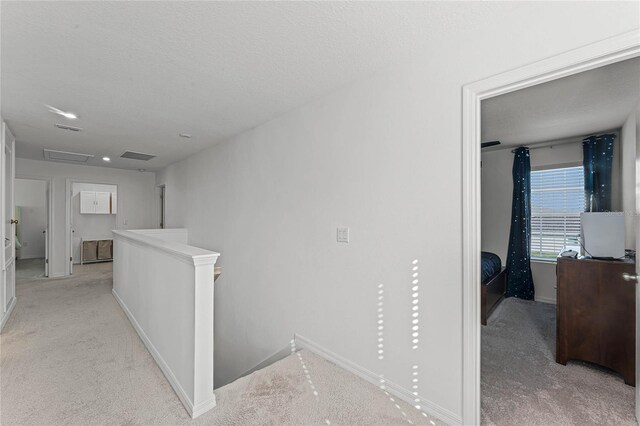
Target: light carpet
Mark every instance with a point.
(69, 356)
(523, 385)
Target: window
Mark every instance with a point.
(557, 199)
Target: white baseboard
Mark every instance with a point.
(428, 407)
(545, 300)
(194, 411)
(7, 314)
(58, 275)
(203, 407)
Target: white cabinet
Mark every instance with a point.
(103, 203)
(114, 203)
(95, 202)
(87, 202)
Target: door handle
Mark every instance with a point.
(14, 221)
(628, 277)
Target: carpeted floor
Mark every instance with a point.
(523, 385)
(69, 356)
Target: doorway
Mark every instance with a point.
(92, 209)
(536, 339)
(610, 51)
(32, 229)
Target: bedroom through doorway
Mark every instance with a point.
(558, 202)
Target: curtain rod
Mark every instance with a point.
(551, 144)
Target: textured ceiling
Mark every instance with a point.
(578, 105)
(140, 73)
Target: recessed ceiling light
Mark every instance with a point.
(66, 114)
(185, 135)
(142, 170)
(106, 159)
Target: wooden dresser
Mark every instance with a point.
(596, 312)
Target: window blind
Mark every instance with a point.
(557, 199)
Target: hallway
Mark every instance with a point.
(70, 356)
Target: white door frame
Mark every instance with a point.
(49, 236)
(605, 52)
(68, 216)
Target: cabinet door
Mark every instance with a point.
(114, 203)
(87, 202)
(103, 200)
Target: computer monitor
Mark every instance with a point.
(603, 234)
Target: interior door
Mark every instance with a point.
(71, 230)
(637, 229)
(46, 231)
(162, 195)
(9, 223)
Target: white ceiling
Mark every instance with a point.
(578, 105)
(139, 73)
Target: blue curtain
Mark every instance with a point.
(597, 160)
(519, 278)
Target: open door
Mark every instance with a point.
(46, 251)
(637, 229)
(161, 190)
(8, 293)
(47, 203)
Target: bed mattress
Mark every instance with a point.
(491, 265)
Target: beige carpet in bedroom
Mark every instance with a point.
(68, 356)
(523, 385)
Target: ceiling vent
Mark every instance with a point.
(72, 157)
(137, 156)
(66, 127)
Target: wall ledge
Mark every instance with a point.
(194, 255)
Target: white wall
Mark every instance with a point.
(497, 188)
(382, 156)
(135, 198)
(628, 176)
(30, 196)
(89, 226)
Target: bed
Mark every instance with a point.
(493, 284)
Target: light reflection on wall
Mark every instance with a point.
(306, 373)
(415, 305)
(380, 322)
(414, 340)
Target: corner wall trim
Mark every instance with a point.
(182, 395)
(8, 314)
(373, 378)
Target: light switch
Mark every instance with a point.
(343, 235)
